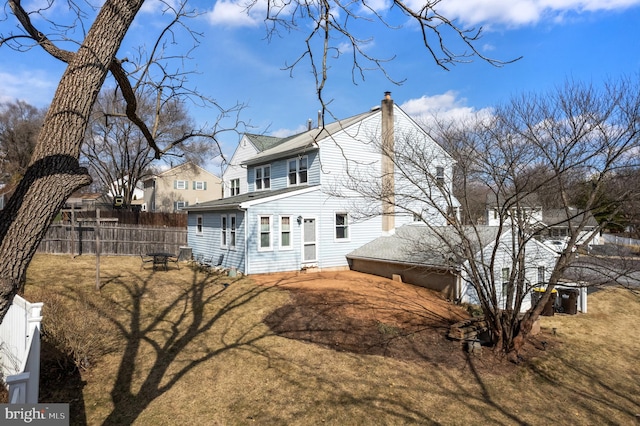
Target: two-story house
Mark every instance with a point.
(290, 217)
(179, 187)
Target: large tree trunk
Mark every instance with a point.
(54, 172)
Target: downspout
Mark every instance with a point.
(246, 241)
(387, 166)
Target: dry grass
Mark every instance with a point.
(183, 348)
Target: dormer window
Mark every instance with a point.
(298, 171)
(263, 177)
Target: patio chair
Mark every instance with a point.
(196, 261)
(145, 259)
(174, 259)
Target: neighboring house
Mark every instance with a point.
(290, 217)
(88, 201)
(179, 187)
(552, 226)
(117, 188)
(501, 210)
(419, 255)
(557, 225)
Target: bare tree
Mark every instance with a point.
(19, 127)
(117, 152)
(54, 172)
(574, 133)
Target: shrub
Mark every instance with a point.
(75, 329)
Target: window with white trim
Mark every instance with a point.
(234, 187)
(342, 226)
(232, 231)
(440, 175)
(263, 177)
(285, 232)
(199, 225)
(264, 242)
(179, 205)
(199, 185)
(542, 272)
(223, 230)
(298, 171)
(506, 272)
(180, 184)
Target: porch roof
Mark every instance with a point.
(243, 201)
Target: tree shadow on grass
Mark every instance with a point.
(168, 330)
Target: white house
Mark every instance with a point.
(290, 217)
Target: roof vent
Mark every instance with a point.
(375, 108)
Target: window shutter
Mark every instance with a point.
(194, 184)
(175, 184)
(205, 185)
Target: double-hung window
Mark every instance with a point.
(263, 177)
(440, 175)
(342, 226)
(223, 231)
(506, 272)
(235, 187)
(298, 168)
(199, 224)
(180, 184)
(542, 275)
(265, 233)
(232, 231)
(285, 232)
(199, 185)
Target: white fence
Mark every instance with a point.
(621, 241)
(20, 351)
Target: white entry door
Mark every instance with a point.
(309, 244)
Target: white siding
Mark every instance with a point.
(234, 170)
(277, 259)
(208, 243)
(536, 255)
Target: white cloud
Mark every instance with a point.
(283, 133)
(446, 106)
(34, 87)
(521, 12)
(235, 13)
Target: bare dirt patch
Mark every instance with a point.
(365, 314)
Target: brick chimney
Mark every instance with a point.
(387, 167)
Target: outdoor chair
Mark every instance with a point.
(196, 260)
(145, 259)
(175, 259)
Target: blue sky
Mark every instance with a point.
(585, 40)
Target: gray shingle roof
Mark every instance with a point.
(264, 142)
(234, 203)
(421, 245)
(306, 141)
(562, 218)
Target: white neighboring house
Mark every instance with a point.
(138, 192)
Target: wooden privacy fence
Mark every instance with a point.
(114, 239)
